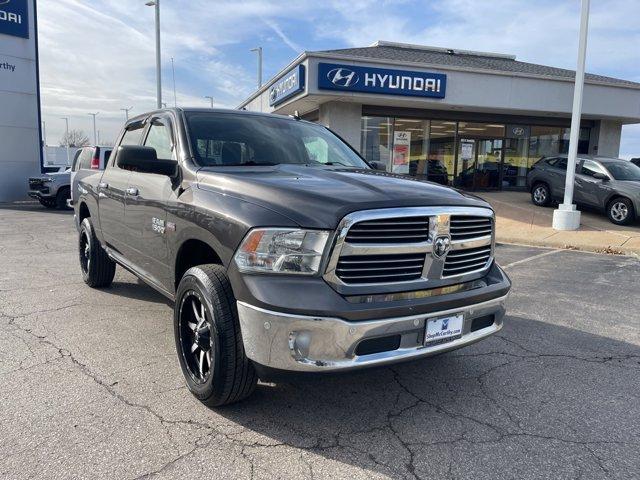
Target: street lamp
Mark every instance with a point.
(126, 112)
(156, 4)
(210, 99)
(66, 135)
(567, 216)
(259, 52)
(95, 136)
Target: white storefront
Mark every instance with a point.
(20, 144)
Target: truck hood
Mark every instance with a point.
(319, 197)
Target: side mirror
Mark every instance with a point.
(144, 159)
(601, 176)
(378, 166)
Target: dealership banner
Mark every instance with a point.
(386, 81)
(287, 86)
(401, 151)
(14, 18)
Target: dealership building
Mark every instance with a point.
(469, 119)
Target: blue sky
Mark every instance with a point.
(98, 55)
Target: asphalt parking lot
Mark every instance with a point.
(90, 386)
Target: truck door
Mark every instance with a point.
(111, 196)
(148, 197)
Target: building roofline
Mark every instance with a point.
(355, 59)
(411, 46)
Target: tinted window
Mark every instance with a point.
(107, 155)
(85, 158)
(132, 135)
(227, 139)
(590, 168)
(624, 171)
(159, 137)
(561, 163)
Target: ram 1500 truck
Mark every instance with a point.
(283, 250)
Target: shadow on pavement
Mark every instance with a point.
(536, 393)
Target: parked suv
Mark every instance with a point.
(86, 161)
(609, 184)
(284, 251)
(51, 189)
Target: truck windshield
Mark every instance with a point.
(624, 171)
(224, 139)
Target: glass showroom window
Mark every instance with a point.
(376, 139)
(442, 147)
(410, 145)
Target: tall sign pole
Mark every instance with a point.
(567, 216)
(156, 5)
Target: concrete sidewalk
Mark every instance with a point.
(519, 221)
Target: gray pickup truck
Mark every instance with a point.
(283, 250)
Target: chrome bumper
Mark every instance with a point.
(303, 343)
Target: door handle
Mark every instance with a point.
(103, 185)
(132, 191)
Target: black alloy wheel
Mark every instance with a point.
(195, 337)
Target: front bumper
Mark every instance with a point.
(314, 343)
(38, 194)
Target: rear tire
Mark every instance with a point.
(48, 202)
(208, 339)
(541, 195)
(97, 268)
(61, 198)
(620, 211)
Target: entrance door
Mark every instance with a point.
(479, 163)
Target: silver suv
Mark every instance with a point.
(608, 184)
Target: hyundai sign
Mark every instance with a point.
(352, 78)
(286, 86)
(14, 18)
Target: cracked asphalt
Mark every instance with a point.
(90, 386)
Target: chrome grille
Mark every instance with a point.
(359, 269)
(390, 230)
(460, 262)
(463, 227)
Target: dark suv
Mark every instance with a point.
(283, 250)
(609, 184)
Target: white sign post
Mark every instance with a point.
(567, 217)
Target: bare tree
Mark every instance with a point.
(75, 138)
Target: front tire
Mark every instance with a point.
(620, 211)
(97, 268)
(63, 195)
(208, 339)
(541, 195)
(48, 202)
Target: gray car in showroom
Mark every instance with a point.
(608, 184)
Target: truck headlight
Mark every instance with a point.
(282, 250)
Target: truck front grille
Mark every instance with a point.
(359, 269)
(390, 230)
(385, 250)
(465, 227)
(460, 262)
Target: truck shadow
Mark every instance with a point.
(534, 389)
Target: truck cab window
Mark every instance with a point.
(159, 137)
(132, 135)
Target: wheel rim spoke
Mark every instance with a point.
(195, 310)
(201, 362)
(192, 326)
(194, 347)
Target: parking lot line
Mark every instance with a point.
(528, 259)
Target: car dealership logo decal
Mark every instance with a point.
(441, 246)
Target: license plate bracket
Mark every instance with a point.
(443, 329)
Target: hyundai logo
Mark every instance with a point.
(518, 131)
(441, 246)
(342, 77)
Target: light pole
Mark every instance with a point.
(210, 99)
(95, 136)
(156, 4)
(567, 217)
(173, 74)
(126, 112)
(66, 135)
(259, 52)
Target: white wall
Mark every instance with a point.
(19, 117)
